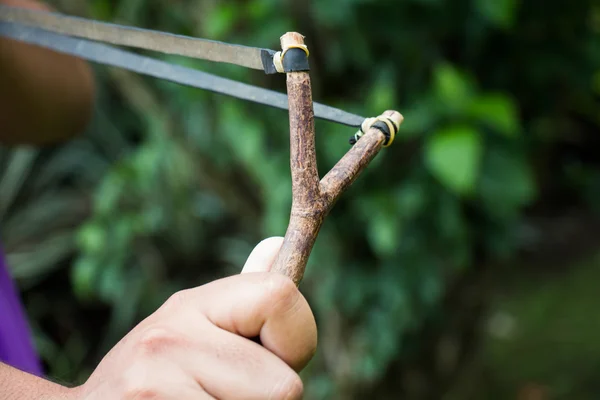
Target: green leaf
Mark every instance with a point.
(453, 88)
(453, 156)
(501, 13)
(507, 182)
(92, 238)
(220, 21)
(382, 95)
(420, 118)
(382, 233)
(102, 10)
(497, 111)
(83, 276)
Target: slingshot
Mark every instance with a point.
(312, 198)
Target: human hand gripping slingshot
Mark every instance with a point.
(312, 198)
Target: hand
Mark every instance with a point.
(198, 346)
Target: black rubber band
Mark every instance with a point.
(295, 60)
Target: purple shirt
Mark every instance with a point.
(16, 347)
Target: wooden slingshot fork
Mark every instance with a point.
(313, 198)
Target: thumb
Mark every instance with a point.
(263, 256)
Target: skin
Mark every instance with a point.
(200, 344)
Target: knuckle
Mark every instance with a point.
(291, 388)
(154, 340)
(176, 300)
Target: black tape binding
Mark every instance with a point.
(295, 60)
(383, 128)
(266, 57)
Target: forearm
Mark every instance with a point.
(45, 96)
(18, 385)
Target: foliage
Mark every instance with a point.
(171, 187)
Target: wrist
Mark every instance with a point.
(16, 384)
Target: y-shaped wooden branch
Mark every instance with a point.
(312, 199)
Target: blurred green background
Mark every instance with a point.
(463, 264)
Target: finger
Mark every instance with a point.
(231, 367)
(261, 304)
(263, 256)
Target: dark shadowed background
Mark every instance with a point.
(463, 264)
